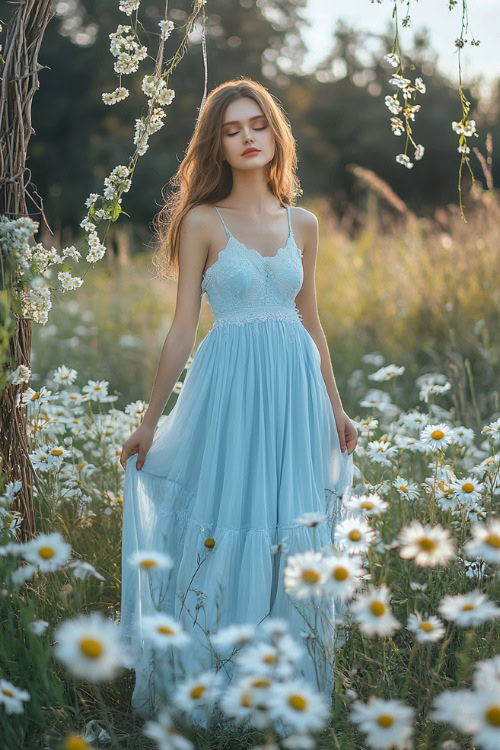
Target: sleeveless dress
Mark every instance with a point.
(250, 446)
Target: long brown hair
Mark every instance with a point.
(203, 177)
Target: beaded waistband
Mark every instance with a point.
(242, 315)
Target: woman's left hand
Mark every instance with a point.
(348, 435)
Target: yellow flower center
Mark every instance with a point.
(355, 535)
(56, 451)
(367, 505)
(492, 715)
(119, 499)
(91, 648)
(468, 487)
(210, 542)
(8, 693)
(75, 742)
(246, 700)
(427, 626)
(165, 630)
(46, 552)
(309, 575)
(298, 702)
(467, 607)
(148, 563)
(385, 721)
(493, 540)
(437, 434)
(198, 691)
(259, 683)
(36, 396)
(403, 488)
(426, 544)
(269, 659)
(340, 573)
(377, 608)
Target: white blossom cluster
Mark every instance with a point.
(126, 49)
(408, 89)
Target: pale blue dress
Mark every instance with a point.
(250, 446)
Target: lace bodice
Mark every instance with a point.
(243, 285)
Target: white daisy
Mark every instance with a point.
(381, 452)
(90, 647)
(83, 569)
(296, 704)
(248, 698)
(23, 574)
(12, 697)
(387, 723)
(311, 519)
(467, 491)
(354, 535)
(436, 436)
(427, 545)
(474, 712)
(150, 560)
(262, 658)
(408, 490)
(38, 627)
(468, 609)
(163, 631)
(485, 542)
(427, 629)
(366, 505)
(64, 375)
(233, 636)
(486, 672)
(48, 551)
(387, 372)
(162, 730)
(304, 576)
(275, 627)
(343, 574)
(373, 613)
(202, 690)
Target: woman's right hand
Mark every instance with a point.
(139, 442)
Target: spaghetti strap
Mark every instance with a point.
(289, 222)
(224, 223)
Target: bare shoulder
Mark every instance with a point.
(306, 226)
(198, 217)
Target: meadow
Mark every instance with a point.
(410, 308)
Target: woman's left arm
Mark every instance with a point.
(308, 307)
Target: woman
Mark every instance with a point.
(258, 435)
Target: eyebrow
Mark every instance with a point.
(237, 122)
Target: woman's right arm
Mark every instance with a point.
(180, 339)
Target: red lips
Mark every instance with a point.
(251, 151)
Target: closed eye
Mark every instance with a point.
(236, 133)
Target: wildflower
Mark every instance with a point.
(23, 574)
(48, 552)
(388, 372)
(393, 59)
(387, 723)
(262, 657)
(436, 437)
(12, 697)
(233, 635)
(312, 519)
(485, 542)
(304, 575)
(373, 613)
(405, 160)
(406, 489)
(474, 712)
(381, 452)
(366, 505)
(150, 560)
(162, 630)
(486, 672)
(426, 629)
(96, 389)
(248, 697)
(115, 96)
(467, 490)
(468, 609)
(90, 647)
(354, 535)
(83, 569)
(162, 730)
(202, 690)
(64, 375)
(38, 627)
(343, 574)
(295, 703)
(427, 545)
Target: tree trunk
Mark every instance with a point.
(25, 32)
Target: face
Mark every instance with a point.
(245, 126)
